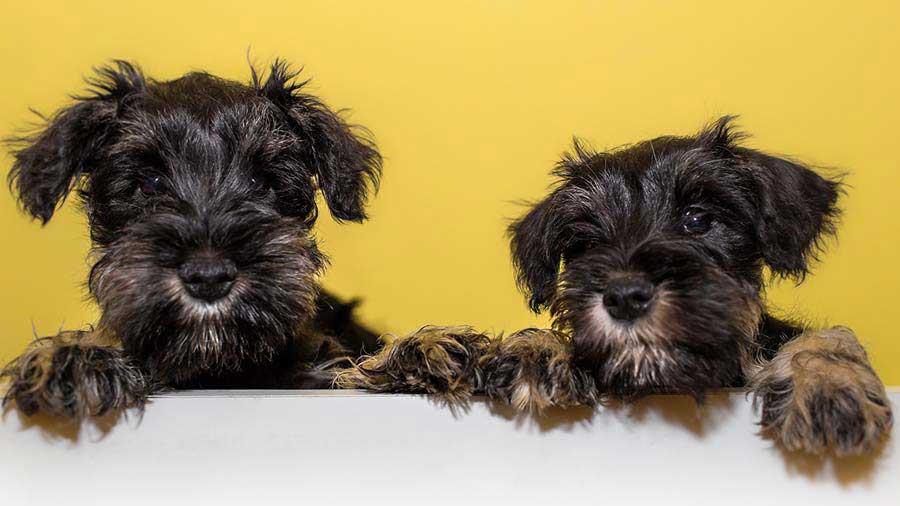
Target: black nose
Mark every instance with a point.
(207, 278)
(627, 298)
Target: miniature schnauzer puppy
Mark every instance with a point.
(650, 259)
(200, 195)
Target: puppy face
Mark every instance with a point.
(651, 256)
(200, 194)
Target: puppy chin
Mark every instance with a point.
(182, 338)
(629, 358)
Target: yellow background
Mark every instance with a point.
(471, 103)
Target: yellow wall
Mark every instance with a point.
(471, 103)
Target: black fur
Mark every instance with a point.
(58, 376)
(206, 168)
(624, 213)
(650, 259)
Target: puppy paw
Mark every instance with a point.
(63, 377)
(822, 394)
(440, 361)
(532, 371)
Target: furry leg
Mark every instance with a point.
(820, 392)
(532, 370)
(75, 374)
(441, 361)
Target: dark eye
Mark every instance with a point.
(578, 248)
(697, 221)
(260, 183)
(150, 185)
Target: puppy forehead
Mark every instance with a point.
(202, 94)
(653, 176)
(202, 118)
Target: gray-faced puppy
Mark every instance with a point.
(200, 194)
(650, 259)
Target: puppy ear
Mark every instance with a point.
(797, 208)
(345, 161)
(47, 164)
(537, 248)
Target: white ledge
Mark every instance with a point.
(239, 446)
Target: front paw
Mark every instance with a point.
(532, 370)
(440, 361)
(60, 377)
(819, 399)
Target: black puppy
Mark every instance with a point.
(200, 194)
(650, 259)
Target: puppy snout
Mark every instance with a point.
(208, 278)
(628, 298)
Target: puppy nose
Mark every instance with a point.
(207, 278)
(627, 298)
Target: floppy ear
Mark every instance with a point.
(343, 158)
(537, 246)
(47, 165)
(796, 206)
(797, 209)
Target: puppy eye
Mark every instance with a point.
(697, 221)
(151, 185)
(261, 184)
(578, 248)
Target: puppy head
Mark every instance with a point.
(200, 193)
(652, 255)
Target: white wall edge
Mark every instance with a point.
(343, 447)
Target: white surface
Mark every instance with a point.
(353, 447)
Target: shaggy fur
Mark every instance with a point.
(650, 259)
(820, 392)
(531, 369)
(432, 360)
(200, 194)
(73, 376)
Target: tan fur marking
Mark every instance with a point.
(532, 370)
(820, 392)
(433, 360)
(101, 378)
